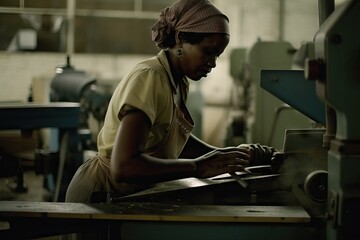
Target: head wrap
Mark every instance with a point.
(195, 16)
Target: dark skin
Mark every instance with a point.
(129, 163)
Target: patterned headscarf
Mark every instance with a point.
(196, 16)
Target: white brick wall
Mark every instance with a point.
(18, 69)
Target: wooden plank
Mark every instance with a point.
(154, 212)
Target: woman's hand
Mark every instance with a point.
(221, 161)
(259, 154)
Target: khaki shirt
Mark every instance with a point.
(145, 88)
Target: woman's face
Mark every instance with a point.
(199, 59)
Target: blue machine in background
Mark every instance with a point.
(291, 87)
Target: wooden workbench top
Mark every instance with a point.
(142, 211)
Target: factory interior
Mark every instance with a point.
(289, 79)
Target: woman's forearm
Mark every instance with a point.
(145, 169)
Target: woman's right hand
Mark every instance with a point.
(219, 162)
(260, 154)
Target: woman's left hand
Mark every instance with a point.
(220, 161)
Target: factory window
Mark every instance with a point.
(100, 26)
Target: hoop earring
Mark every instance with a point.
(179, 53)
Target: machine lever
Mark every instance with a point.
(239, 180)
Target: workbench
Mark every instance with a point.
(149, 220)
(64, 116)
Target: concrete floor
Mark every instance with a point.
(33, 185)
(35, 192)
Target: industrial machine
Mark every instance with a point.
(335, 69)
(335, 182)
(72, 85)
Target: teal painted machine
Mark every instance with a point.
(327, 91)
(336, 71)
(291, 87)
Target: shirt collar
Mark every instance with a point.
(164, 61)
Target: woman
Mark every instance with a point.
(146, 137)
